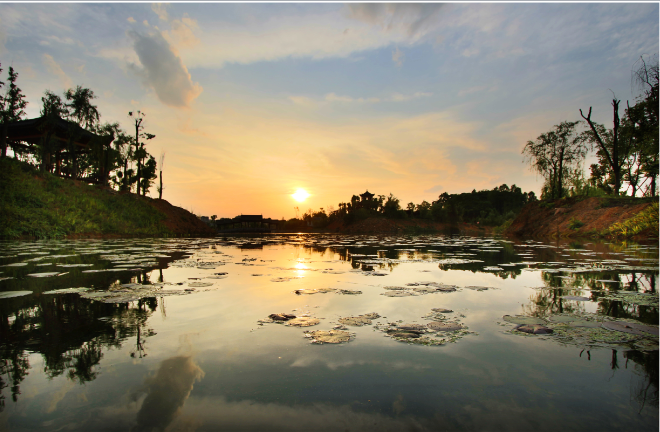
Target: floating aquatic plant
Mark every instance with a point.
(329, 336)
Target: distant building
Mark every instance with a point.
(367, 196)
(248, 223)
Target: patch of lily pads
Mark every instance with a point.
(587, 330)
(634, 297)
(440, 331)
(328, 336)
(327, 290)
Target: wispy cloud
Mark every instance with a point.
(53, 67)
(330, 98)
(412, 19)
(397, 57)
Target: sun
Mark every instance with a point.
(300, 195)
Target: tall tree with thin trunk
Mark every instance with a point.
(82, 112)
(140, 152)
(12, 107)
(611, 149)
(161, 162)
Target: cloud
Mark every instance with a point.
(397, 57)
(335, 98)
(56, 70)
(411, 19)
(3, 38)
(182, 32)
(160, 10)
(163, 70)
(302, 101)
(131, 20)
(435, 189)
(167, 392)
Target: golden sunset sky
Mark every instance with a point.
(254, 101)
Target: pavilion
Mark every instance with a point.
(57, 137)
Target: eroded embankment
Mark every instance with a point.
(572, 217)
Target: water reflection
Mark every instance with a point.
(70, 333)
(73, 334)
(166, 393)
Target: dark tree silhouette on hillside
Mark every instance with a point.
(554, 153)
(140, 152)
(12, 107)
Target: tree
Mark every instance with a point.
(554, 153)
(80, 107)
(161, 162)
(643, 118)
(140, 152)
(86, 115)
(148, 174)
(12, 107)
(52, 105)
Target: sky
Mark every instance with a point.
(252, 101)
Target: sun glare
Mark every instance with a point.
(300, 195)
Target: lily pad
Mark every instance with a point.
(281, 317)
(412, 327)
(632, 328)
(562, 318)
(332, 336)
(200, 284)
(534, 329)
(398, 293)
(440, 326)
(303, 322)
(11, 294)
(576, 298)
(357, 321)
(525, 320)
(442, 310)
(48, 274)
(349, 292)
(402, 334)
(66, 291)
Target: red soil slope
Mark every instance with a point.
(597, 214)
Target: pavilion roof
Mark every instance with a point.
(33, 130)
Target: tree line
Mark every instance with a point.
(627, 153)
(117, 158)
(484, 207)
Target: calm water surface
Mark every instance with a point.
(168, 336)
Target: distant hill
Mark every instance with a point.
(42, 205)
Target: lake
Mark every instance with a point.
(328, 332)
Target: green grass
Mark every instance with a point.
(41, 205)
(647, 219)
(575, 224)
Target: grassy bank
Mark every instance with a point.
(41, 205)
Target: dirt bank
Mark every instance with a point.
(180, 221)
(572, 217)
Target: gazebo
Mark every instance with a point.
(57, 137)
(367, 196)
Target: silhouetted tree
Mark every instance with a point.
(140, 153)
(554, 153)
(12, 107)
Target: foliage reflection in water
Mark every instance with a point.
(170, 333)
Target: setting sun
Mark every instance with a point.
(300, 195)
